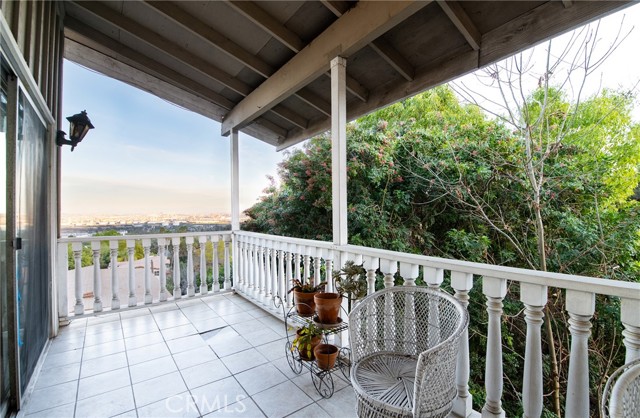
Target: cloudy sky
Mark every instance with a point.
(147, 156)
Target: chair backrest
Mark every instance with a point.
(621, 397)
(415, 321)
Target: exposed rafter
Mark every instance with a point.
(461, 20)
(177, 52)
(104, 53)
(288, 38)
(386, 51)
(235, 51)
(350, 33)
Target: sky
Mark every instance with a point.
(147, 156)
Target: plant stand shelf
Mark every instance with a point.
(322, 379)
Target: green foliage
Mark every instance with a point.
(431, 176)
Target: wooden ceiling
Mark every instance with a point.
(262, 67)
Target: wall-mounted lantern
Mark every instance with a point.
(79, 125)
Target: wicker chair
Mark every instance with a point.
(404, 344)
(621, 397)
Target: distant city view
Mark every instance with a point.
(87, 225)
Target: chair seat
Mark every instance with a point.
(388, 378)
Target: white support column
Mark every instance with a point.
(328, 268)
(146, 245)
(389, 269)
(163, 270)
(495, 290)
(409, 273)
(202, 240)
(262, 279)
(581, 306)
(78, 309)
(306, 257)
(132, 278)
(339, 149)
(191, 291)
(534, 298)
(433, 277)
(630, 318)
(175, 247)
(288, 273)
(115, 286)
(97, 282)
(235, 183)
(284, 285)
(268, 281)
(462, 405)
(277, 290)
(317, 263)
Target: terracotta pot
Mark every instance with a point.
(328, 307)
(326, 355)
(305, 304)
(315, 341)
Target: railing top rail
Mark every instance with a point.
(618, 288)
(139, 237)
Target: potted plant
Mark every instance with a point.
(326, 355)
(351, 281)
(303, 294)
(307, 338)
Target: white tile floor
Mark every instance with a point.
(215, 356)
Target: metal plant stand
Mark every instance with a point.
(322, 379)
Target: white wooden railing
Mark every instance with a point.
(164, 242)
(265, 267)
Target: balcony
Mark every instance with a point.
(161, 349)
(215, 354)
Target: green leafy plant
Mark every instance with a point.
(307, 287)
(304, 337)
(351, 281)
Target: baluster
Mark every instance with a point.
(388, 268)
(462, 283)
(255, 269)
(433, 277)
(115, 286)
(215, 271)
(288, 272)
(317, 262)
(268, 289)
(262, 272)
(202, 241)
(163, 269)
(409, 273)
(297, 261)
(581, 306)
(191, 291)
(132, 277)
(630, 319)
(97, 280)
(371, 265)
(495, 290)
(534, 298)
(281, 276)
(63, 296)
(175, 245)
(227, 265)
(277, 289)
(78, 309)
(328, 267)
(306, 261)
(240, 281)
(146, 244)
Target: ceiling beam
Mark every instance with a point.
(460, 62)
(215, 38)
(177, 52)
(393, 58)
(463, 22)
(350, 33)
(288, 38)
(82, 33)
(85, 52)
(380, 46)
(547, 20)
